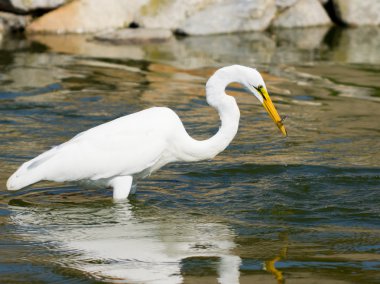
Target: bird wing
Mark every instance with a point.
(125, 146)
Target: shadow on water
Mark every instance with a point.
(266, 210)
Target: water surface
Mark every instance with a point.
(269, 209)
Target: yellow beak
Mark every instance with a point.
(269, 106)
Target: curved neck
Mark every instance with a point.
(229, 115)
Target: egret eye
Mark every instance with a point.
(258, 88)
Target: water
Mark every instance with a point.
(267, 210)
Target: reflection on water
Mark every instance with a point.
(266, 210)
(270, 265)
(112, 242)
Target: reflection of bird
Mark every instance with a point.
(135, 145)
(119, 243)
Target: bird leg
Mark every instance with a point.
(121, 187)
(228, 269)
(133, 188)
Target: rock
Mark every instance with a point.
(201, 17)
(358, 12)
(133, 36)
(169, 14)
(305, 13)
(6, 6)
(285, 3)
(87, 16)
(12, 23)
(230, 16)
(31, 5)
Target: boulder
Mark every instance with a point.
(135, 36)
(358, 12)
(230, 16)
(201, 17)
(169, 14)
(10, 22)
(26, 6)
(285, 3)
(305, 13)
(87, 16)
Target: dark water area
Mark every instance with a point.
(301, 209)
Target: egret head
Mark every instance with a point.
(254, 82)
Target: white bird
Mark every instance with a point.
(118, 152)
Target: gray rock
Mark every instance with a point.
(25, 6)
(305, 13)
(29, 5)
(230, 16)
(358, 12)
(86, 16)
(169, 14)
(201, 17)
(10, 22)
(285, 3)
(135, 36)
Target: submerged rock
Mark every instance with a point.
(305, 13)
(358, 12)
(86, 16)
(132, 36)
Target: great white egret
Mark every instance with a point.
(133, 146)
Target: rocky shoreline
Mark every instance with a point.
(193, 17)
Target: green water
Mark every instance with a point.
(301, 209)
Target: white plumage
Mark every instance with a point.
(135, 145)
